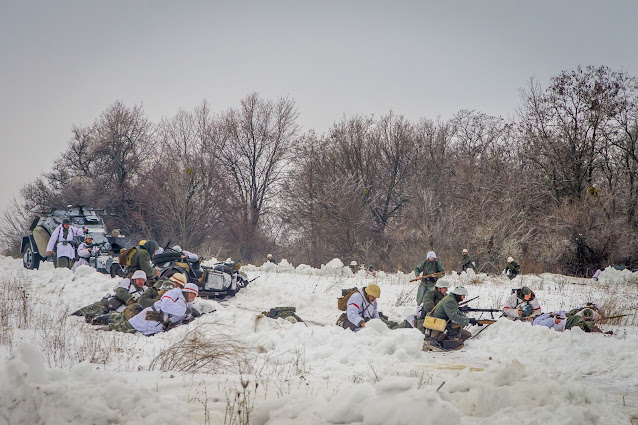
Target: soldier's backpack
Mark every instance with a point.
(126, 256)
(342, 302)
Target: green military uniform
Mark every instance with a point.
(512, 269)
(283, 313)
(107, 303)
(580, 322)
(147, 299)
(466, 262)
(425, 268)
(448, 309)
(141, 261)
(431, 299)
(64, 262)
(122, 325)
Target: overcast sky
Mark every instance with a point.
(64, 62)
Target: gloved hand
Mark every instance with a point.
(473, 321)
(131, 301)
(154, 315)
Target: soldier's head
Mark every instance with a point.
(588, 314)
(66, 223)
(442, 285)
(526, 293)
(269, 256)
(354, 263)
(177, 248)
(151, 246)
(373, 292)
(459, 293)
(431, 256)
(88, 238)
(179, 280)
(510, 259)
(465, 251)
(139, 278)
(190, 291)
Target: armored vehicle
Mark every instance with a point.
(222, 280)
(34, 245)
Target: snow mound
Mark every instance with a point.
(366, 404)
(33, 394)
(612, 276)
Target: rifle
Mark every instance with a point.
(479, 322)
(426, 276)
(613, 317)
(467, 301)
(466, 309)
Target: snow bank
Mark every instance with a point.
(33, 394)
(612, 276)
(392, 401)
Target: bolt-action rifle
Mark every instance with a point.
(426, 276)
(466, 309)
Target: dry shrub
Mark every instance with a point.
(203, 352)
(15, 289)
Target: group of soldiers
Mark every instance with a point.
(441, 316)
(141, 302)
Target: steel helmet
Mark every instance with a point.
(442, 283)
(66, 221)
(353, 263)
(373, 290)
(269, 256)
(465, 251)
(431, 254)
(139, 274)
(192, 288)
(177, 248)
(460, 290)
(510, 259)
(179, 279)
(588, 313)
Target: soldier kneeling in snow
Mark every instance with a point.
(362, 306)
(127, 292)
(454, 335)
(174, 307)
(522, 305)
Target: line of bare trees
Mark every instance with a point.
(555, 186)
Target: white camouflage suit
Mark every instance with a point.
(172, 304)
(512, 303)
(84, 253)
(360, 309)
(57, 239)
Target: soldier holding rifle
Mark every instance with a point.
(428, 272)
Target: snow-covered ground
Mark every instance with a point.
(56, 369)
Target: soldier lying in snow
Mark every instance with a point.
(286, 313)
(147, 299)
(583, 318)
(174, 307)
(127, 292)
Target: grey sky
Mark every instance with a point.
(64, 62)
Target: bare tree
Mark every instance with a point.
(257, 149)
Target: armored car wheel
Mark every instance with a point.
(30, 259)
